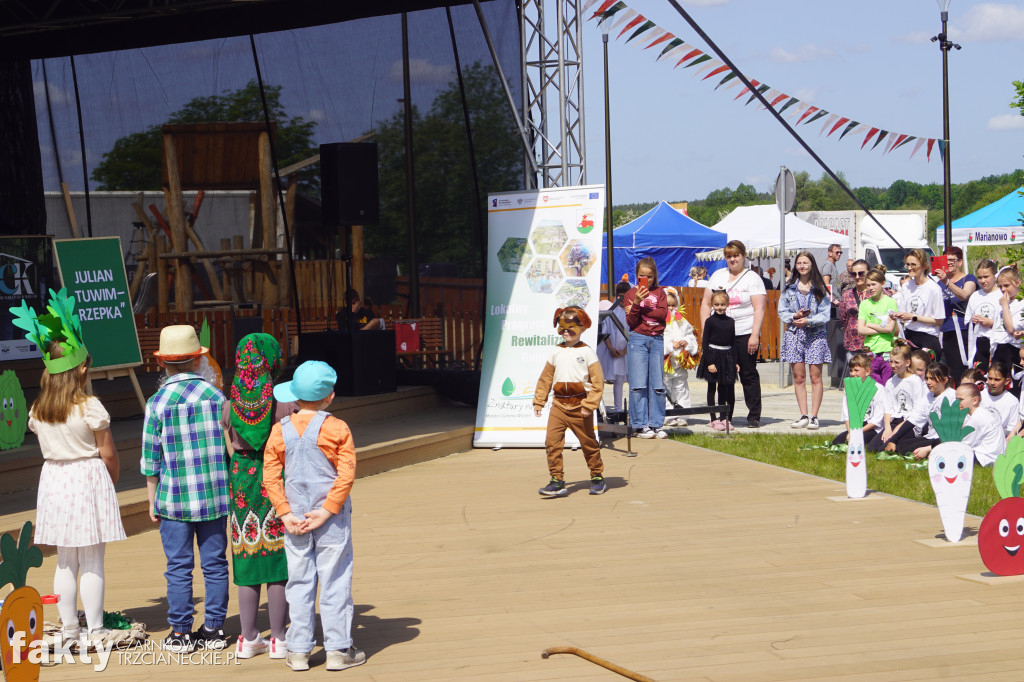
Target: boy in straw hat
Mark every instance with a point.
(185, 462)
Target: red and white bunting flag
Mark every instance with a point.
(798, 109)
(840, 123)
(677, 49)
(688, 56)
(895, 141)
(917, 146)
(867, 138)
(588, 4)
(708, 66)
(604, 7)
(635, 21)
(931, 143)
(828, 123)
(655, 33)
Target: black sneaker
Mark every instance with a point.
(210, 640)
(753, 423)
(597, 485)
(179, 642)
(555, 488)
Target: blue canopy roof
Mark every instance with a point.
(1003, 213)
(668, 236)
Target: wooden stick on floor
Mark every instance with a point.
(594, 659)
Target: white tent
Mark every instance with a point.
(758, 228)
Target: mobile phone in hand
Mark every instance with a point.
(642, 282)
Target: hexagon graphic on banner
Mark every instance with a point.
(514, 254)
(544, 275)
(548, 237)
(577, 258)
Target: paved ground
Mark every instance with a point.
(778, 406)
(695, 565)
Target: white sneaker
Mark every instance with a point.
(645, 433)
(680, 421)
(801, 422)
(278, 649)
(249, 648)
(660, 433)
(298, 661)
(813, 424)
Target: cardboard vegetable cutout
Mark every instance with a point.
(1001, 536)
(951, 468)
(14, 413)
(21, 617)
(859, 392)
(1008, 471)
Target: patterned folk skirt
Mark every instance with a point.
(257, 534)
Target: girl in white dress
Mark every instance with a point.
(76, 506)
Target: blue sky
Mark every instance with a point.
(675, 137)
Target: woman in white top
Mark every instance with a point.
(983, 314)
(747, 302)
(919, 306)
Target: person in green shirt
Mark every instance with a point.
(876, 323)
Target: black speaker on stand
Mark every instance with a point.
(348, 184)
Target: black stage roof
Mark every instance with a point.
(34, 29)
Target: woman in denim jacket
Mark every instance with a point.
(805, 307)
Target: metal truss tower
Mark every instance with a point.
(552, 61)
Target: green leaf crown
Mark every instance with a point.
(18, 558)
(949, 422)
(60, 324)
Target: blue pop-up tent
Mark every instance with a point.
(997, 223)
(668, 236)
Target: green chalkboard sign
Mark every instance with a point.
(93, 273)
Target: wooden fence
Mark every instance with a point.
(462, 323)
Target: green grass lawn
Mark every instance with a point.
(888, 476)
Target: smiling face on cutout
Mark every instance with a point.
(1001, 537)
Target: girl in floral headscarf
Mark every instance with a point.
(257, 534)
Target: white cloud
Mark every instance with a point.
(423, 71)
(804, 53)
(990, 22)
(1005, 122)
(806, 94)
(317, 114)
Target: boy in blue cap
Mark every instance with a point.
(315, 452)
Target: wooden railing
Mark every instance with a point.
(463, 328)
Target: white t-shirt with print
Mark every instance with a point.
(1006, 405)
(740, 291)
(903, 395)
(923, 300)
(1000, 334)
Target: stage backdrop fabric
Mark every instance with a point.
(671, 238)
(543, 253)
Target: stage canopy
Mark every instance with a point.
(997, 223)
(758, 228)
(668, 236)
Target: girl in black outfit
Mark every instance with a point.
(718, 362)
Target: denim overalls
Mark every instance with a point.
(324, 554)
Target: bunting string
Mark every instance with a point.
(623, 21)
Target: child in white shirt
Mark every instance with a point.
(903, 391)
(1000, 399)
(983, 313)
(680, 347)
(940, 388)
(987, 439)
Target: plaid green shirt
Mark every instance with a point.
(183, 446)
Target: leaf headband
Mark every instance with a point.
(60, 324)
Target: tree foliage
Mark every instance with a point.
(135, 160)
(447, 214)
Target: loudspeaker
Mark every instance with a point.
(348, 184)
(364, 360)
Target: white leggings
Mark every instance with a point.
(88, 560)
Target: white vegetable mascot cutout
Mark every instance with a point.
(859, 392)
(951, 468)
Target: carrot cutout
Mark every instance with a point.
(22, 614)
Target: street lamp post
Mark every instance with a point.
(605, 26)
(944, 46)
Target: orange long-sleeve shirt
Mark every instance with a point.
(334, 440)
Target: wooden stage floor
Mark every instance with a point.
(694, 566)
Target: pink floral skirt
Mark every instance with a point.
(76, 505)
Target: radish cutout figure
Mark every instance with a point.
(951, 468)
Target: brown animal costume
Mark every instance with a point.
(574, 373)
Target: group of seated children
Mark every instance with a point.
(897, 418)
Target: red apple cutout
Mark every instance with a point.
(1001, 537)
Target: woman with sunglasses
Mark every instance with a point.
(849, 306)
(956, 287)
(919, 306)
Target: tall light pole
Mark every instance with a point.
(605, 26)
(944, 46)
